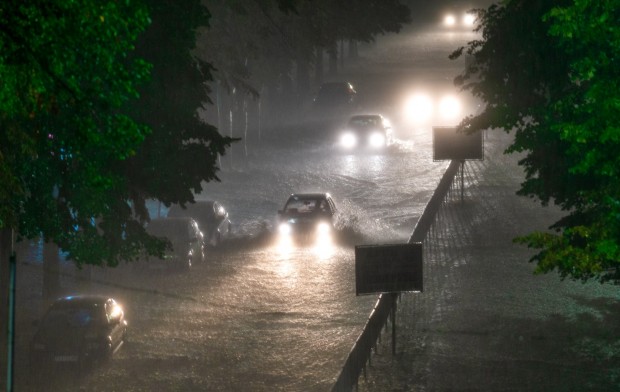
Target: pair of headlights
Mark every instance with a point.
(350, 140)
(466, 19)
(421, 108)
(286, 228)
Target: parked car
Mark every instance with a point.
(335, 94)
(187, 240)
(211, 216)
(366, 131)
(307, 217)
(79, 330)
(334, 102)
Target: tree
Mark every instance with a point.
(168, 104)
(550, 71)
(66, 76)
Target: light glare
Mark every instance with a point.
(348, 140)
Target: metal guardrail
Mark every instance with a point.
(361, 353)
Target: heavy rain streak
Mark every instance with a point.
(258, 315)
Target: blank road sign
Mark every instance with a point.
(448, 144)
(388, 268)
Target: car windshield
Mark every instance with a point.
(305, 205)
(365, 121)
(72, 318)
(335, 90)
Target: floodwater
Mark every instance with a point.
(255, 317)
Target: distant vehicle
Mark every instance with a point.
(211, 216)
(334, 100)
(187, 240)
(307, 217)
(367, 131)
(78, 330)
(459, 18)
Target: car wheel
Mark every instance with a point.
(107, 354)
(218, 239)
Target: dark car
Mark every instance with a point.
(307, 217)
(334, 102)
(335, 93)
(79, 330)
(211, 216)
(187, 240)
(368, 131)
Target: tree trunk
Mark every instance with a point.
(332, 52)
(51, 270)
(245, 128)
(218, 105)
(318, 67)
(353, 53)
(303, 75)
(6, 249)
(231, 104)
(260, 98)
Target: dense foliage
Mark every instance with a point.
(550, 71)
(75, 144)
(253, 44)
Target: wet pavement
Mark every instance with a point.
(485, 322)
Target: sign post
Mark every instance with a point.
(392, 269)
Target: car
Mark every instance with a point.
(335, 93)
(369, 131)
(211, 216)
(307, 217)
(188, 246)
(334, 100)
(459, 16)
(78, 330)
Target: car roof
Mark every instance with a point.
(71, 301)
(168, 220)
(364, 116)
(197, 203)
(316, 195)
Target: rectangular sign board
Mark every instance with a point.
(388, 268)
(448, 144)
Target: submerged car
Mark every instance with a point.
(79, 330)
(211, 216)
(335, 94)
(367, 131)
(187, 240)
(334, 102)
(307, 217)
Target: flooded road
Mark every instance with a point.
(254, 318)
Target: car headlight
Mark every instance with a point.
(449, 108)
(419, 108)
(376, 140)
(348, 140)
(469, 19)
(449, 20)
(323, 228)
(284, 229)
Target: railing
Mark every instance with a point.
(361, 353)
